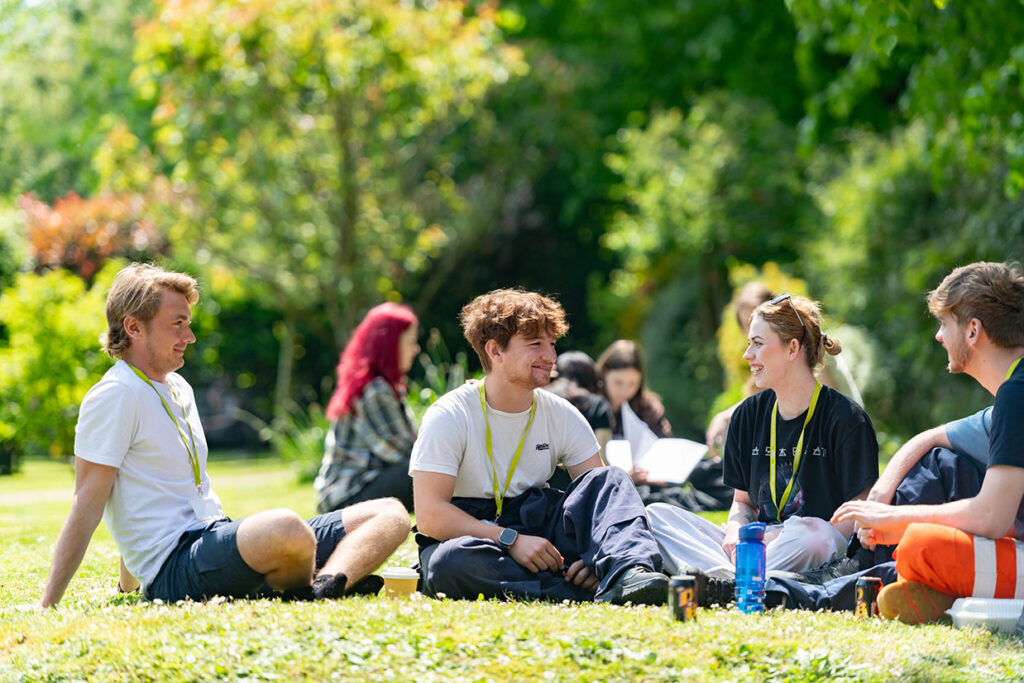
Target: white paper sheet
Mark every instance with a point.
(636, 432)
(618, 453)
(671, 460)
(666, 460)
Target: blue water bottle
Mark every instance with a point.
(750, 568)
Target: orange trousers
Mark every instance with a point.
(961, 564)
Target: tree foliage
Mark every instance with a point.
(309, 159)
(64, 82)
(721, 185)
(890, 237)
(51, 356)
(82, 234)
(951, 65)
(303, 142)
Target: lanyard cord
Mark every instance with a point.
(499, 497)
(796, 458)
(193, 457)
(1012, 368)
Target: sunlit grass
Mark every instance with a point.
(98, 635)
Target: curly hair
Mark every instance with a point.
(503, 313)
(800, 318)
(137, 291)
(991, 292)
(371, 352)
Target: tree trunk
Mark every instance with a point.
(285, 332)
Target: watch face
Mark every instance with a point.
(508, 537)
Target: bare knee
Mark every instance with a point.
(276, 537)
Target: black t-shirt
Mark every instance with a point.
(595, 408)
(1007, 433)
(840, 455)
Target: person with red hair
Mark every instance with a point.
(366, 452)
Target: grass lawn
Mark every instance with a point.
(98, 635)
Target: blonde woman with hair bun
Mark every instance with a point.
(795, 452)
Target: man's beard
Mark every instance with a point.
(960, 355)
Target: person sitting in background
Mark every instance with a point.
(576, 382)
(621, 375)
(795, 452)
(372, 430)
(750, 296)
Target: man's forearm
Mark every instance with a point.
(71, 546)
(444, 520)
(908, 455)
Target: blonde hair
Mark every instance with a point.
(136, 291)
(800, 318)
(502, 313)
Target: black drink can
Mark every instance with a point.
(682, 597)
(867, 596)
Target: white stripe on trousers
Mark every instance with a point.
(984, 568)
(1018, 591)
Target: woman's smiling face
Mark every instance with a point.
(768, 357)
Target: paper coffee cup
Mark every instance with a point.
(400, 581)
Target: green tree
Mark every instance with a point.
(50, 358)
(889, 236)
(64, 81)
(956, 66)
(302, 143)
(721, 185)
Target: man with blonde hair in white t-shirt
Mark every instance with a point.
(140, 462)
(489, 526)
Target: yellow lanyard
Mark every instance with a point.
(796, 457)
(499, 497)
(1012, 368)
(193, 456)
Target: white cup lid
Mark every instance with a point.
(400, 573)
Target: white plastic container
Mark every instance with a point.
(999, 616)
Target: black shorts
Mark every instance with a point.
(206, 561)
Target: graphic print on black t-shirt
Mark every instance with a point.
(840, 456)
(794, 503)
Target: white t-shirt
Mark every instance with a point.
(123, 424)
(452, 440)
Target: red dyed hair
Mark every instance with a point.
(371, 352)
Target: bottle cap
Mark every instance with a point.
(752, 532)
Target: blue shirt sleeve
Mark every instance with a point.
(970, 435)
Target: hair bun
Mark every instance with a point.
(831, 344)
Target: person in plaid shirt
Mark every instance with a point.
(366, 452)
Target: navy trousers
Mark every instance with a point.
(599, 519)
(939, 477)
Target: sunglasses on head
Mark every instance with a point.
(786, 297)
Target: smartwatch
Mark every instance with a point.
(506, 538)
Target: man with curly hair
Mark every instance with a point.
(489, 526)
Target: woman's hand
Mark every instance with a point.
(732, 537)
